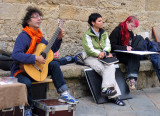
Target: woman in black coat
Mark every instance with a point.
(121, 39)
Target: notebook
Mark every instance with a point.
(109, 60)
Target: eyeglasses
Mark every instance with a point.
(36, 16)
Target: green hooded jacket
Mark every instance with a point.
(93, 45)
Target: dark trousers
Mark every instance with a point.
(56, 75)
(133, 63)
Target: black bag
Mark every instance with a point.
(5, 61)
(138, 43)
(65, 60)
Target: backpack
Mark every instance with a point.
(138, 43)
(79, 59)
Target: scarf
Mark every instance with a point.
(36, 37)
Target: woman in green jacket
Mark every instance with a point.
(96, 45)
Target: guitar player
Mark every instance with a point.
(24, 47)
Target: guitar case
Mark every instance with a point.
(5, 60)
(94, 81)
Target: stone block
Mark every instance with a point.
(75, 88)
(152, 80)
(73, 71)
(88, 3)
(70, 49)
(152, 5)
(155, 15)
(145, 26)
(6, 38)
(121, 16)
(108, 27)
(10, 11)
(69, 12)
(12, 28)
(145, 65)
(77, 84)
(126, 5)
(74, 31)
(1, 21)
(1, 30)
(15, 1)
(50, 12)
(39, 2)
(4, 73)
(10, 47)
(142, 80)
(52, 94)
(49, 27)
(75, 13)
(3, 45)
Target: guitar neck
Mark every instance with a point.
(52, 40)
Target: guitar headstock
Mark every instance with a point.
(61, 22)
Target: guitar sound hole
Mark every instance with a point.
(43, 54)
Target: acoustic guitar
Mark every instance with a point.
(38, 71)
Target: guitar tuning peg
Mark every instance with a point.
(60, 22)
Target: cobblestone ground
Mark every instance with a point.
(145, 102)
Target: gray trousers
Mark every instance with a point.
(107, 72)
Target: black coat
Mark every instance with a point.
(115, 39)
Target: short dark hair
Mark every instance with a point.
(93, 17)
(27, 17)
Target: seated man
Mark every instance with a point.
(22, 54)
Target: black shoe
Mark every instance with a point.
(108, 92)
(119, 102)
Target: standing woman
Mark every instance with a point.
(121, 39)
(97, 45)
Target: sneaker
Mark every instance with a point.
(108, 92)
(28, 112)
(132, 84)
(68, 98)
(119, 101)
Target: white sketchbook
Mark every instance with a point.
(137, 52)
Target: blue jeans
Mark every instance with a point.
(133, 63)
(56, 75)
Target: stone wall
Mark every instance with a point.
(76, 13)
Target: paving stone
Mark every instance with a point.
(87, 107)
(123, 113)
(111, 106)
(142, 104)
(148, 113)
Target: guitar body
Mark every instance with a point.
(38, 71)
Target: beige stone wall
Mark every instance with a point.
(76, 13)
